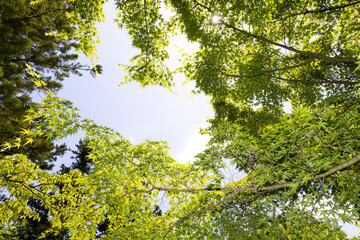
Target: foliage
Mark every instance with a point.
(127, 180)
(25, 181)
(259, 220)
(123, 196)
(270, 52)
(304, 52)
(299, 170)
(25, 43)
(150, 34)
(28, 228)
(84, 14)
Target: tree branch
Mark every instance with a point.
(35, 16)
(332, 170)
(318, 10)
(263, 72)
(266, 40)
(210, 207)
(292, 49)
(258, 191)
(202, 5)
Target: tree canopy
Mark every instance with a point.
(26, 41)
(299, 170)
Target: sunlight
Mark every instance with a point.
(215, 19)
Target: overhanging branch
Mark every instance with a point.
(290, 48)
(271, 42)
(258, 191)
(319, 10)
(330, 171)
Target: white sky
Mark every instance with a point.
(137, 113)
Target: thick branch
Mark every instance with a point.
(202, 5)
(332, 170)
(307, 53)
(323, 81)
(319, 10)
(261, 190)
(36, 192)
(266, 40)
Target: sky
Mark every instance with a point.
(137, 113)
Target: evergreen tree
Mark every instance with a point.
(82, 161)
(26, 40)
(25, 36)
